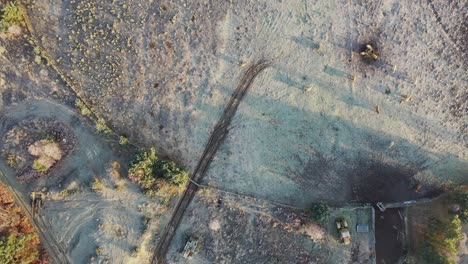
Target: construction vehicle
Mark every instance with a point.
(345, 235)
(37, 201)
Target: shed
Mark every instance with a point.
(362, 228)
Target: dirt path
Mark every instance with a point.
(214, 142)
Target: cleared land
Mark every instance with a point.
(233, 229)
(160, 72)
(90, 214)
(214, 142)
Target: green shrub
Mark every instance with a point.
(12, 161)
(169, 171)
(13, 249)
(123, 140)
(11, 15)
(146, 169)
(102, 127)
(97, 184)
(441, 240)
(141, 169)
(67, 192)
(84, 110)
(320, 212)
(39, 167)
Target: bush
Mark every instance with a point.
(141, 169)
(39, 167)
(102, 127)
(84, 110)
(146, 169)
(169, 171)
(14, 249)
(441, 240)
(11, 15)
(320, 212)
(67, 192)
(123, 140)
(12, 161)
(97, 184)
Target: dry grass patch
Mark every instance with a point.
(48, 153)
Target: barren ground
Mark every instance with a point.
(113, 224)
(160, 73)
(309, 122)
(231, 229)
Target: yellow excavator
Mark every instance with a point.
(37, 201)
(345, 235)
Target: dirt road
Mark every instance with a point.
(214, 142)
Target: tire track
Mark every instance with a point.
(214, 142)
(446, 31)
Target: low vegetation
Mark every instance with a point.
(157, 177)
(18, 241)
(460, 198)
(12, 161)
(48, 153)
(97, 184)
(84, 110)
(67, 192)
(15, 249)
(123, 140)
(441, 240)
(101, 126)
(39, 167)
(320, 212)
(10, 15)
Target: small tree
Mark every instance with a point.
(141, 169)
(149, 171)
(39, 167)
(102, 127)
(320, 212)
(169, 171)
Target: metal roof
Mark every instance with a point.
(362, 228)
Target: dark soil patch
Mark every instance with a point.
(389, 235)
(386, 183)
